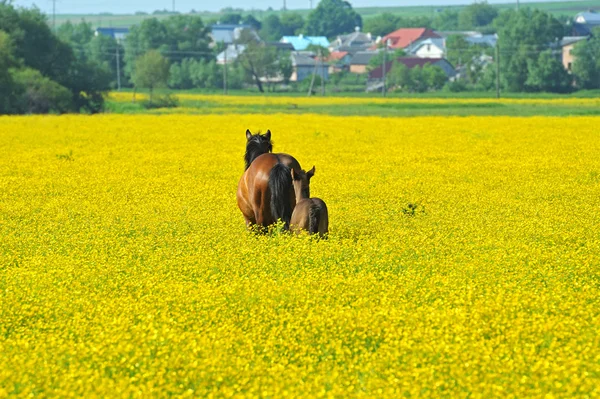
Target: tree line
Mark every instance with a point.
(69, 69)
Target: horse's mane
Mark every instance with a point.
(254, 149)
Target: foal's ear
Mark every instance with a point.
(268, 135)
(310, 173)
(248, 134)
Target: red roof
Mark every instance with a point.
(410, 63)
(337, 55)
(404, 37)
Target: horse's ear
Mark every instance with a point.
(310, 173)
(248, 134)
(268, 135)
(293, 174)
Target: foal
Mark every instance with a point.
(310, 214)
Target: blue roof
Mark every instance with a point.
(302, 42)
(227, 32)
(113, 32)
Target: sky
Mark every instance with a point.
(130, 6)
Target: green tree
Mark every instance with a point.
(381, 24)
(586, 66)
(77, 34)
(38, 94)
(102, 50)
(458, 50)
(399, 76)
(320, 54)
(291, 24)
(7, 85)
(286, 68)
(332, 17)
(271, 28)
(476, 15)
(446, 20)
(418, 81)
(523, 35)
(257, 59)
(152, 71)
(36, 47)
(253, 22)
(151, 34)
(434, 77)
(548, 74)
(377, 60)
(231, 18)
(186, 34)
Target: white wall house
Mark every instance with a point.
(429, 48)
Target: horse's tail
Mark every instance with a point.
(280, 184)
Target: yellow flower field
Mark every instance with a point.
(464, 259)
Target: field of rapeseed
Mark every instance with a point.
(464, 259)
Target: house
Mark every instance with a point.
(339, 61)
(428, 48)
(305, 66)
(567, 44)
(483, 40)
(115, 33)
(413, 62)
(279, 46)
(302, 42)
(585, 22)
(472, 37)
(360, 61)
(228, 33)
(233, 51)
(405, 37)
(230, 54)
(353, 42)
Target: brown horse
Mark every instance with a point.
(265, 193)
(310, 214)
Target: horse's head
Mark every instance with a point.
(301, 182)
(257, 144)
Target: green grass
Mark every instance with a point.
(454, 108)
(121, 20)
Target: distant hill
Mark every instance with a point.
(568, 8)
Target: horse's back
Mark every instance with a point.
(301, 215)
(267, 161)
(322, 215)
(254, 194)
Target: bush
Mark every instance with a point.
(165, 101)
(456, 86)
(37, 94)
(305, 84)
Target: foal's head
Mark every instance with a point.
(257, 144)
(301, 182)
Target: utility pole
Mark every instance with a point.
(322, 77)
(497, 70)
(310, 1)
(383, 89)
(225, 72)
(118, 68)
(517, 5)
(54, 15)
(284, 6)
(173, 6)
